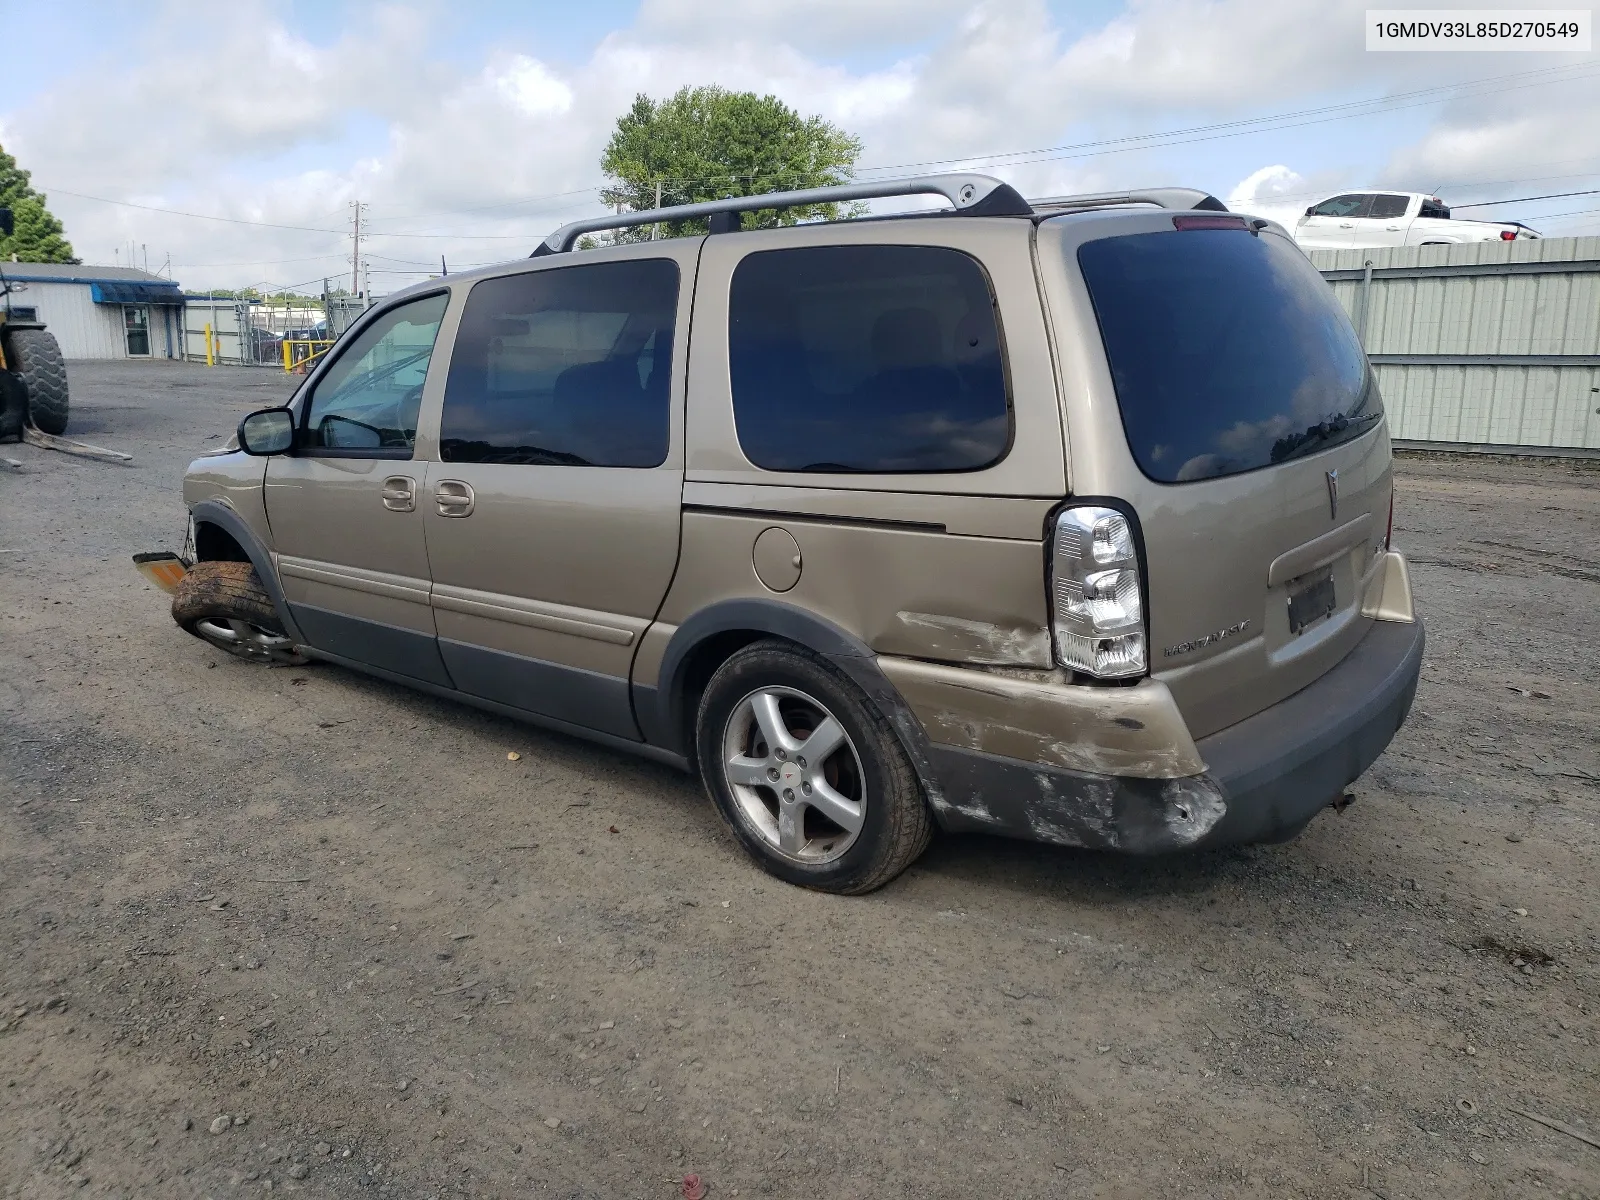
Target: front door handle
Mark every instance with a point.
(400, 493)
(1346, 225)
(453, 498)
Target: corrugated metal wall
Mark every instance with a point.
(83, 328)
(1484, 344)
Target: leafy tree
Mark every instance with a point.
(38, 237)
(707, 143)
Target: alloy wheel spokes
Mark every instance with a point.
(795, 775)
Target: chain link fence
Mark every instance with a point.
(256, 333)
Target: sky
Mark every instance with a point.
(228, 151)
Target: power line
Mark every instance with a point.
(263, 262)
(1321, 114)
(196, 216)
(1176, 137)
(1524, 199)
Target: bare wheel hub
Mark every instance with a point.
(246, 640)
(794, 774)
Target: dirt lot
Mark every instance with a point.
(334, 913)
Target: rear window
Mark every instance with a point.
(882, 359)
(1228, 351)
(1389, 207)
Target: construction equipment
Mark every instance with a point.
(33, 375)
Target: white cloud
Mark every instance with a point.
(1276, 192)
(270, 126)
(530, 87)
(813, 25)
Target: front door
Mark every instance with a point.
(136, 328)
(1331, 225)
(346, 507)
(552, 512)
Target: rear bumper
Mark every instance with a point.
(1265, 777)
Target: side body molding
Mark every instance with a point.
(661, 711)
(216, 513)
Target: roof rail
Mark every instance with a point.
(1166, 197)
(972, 195)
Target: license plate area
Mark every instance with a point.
(1310, 599)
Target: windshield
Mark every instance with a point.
(1228, 350)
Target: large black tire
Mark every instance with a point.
(36, 356)
(223, 603)
(869, 768)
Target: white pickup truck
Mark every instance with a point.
(1361, 220)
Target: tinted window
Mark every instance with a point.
(1432, 208)
(1228, 351)
(1343, 206)
(571, 366)
(866, 358)
(1389, 207)
(369, 397)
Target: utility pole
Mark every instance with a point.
(355, 248)
(145, 250)
(656, 225)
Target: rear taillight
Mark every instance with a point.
(1508, 235)
(1097, 597)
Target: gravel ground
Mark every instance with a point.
(302, 931)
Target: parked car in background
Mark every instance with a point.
(1367, 220)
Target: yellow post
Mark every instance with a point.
(210, 356)
(286, 365)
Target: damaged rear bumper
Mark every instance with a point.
(1265, 778)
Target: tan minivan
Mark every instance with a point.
(1067, 520)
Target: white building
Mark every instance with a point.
(100, 312)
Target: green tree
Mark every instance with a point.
(38, 236)
(707, 143)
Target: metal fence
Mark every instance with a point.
(254, 333)
(1491, 346)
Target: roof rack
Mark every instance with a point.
(972, 195)
(1166, 197)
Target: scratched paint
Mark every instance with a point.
(980, 641)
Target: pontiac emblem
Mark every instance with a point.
(1333, 495)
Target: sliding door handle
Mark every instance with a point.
(453, 498)
(400, 493)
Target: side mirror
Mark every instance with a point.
(7, 225)
(269, 431)
(1312, 211)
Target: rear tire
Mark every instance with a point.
(849, 818)
(223, 603)
(36, 356)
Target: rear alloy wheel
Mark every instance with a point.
(795, 775)
(807, 772)
(224, 603)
